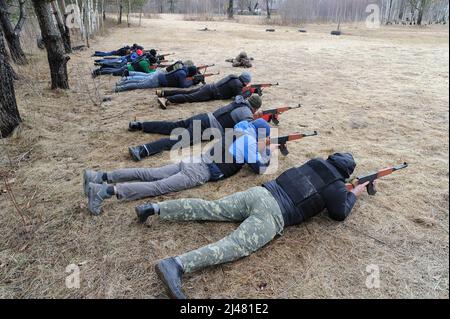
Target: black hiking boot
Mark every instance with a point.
(134, 126)
(170, 272)
(144, 211)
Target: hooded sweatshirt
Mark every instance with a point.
(338, 201)
(244, 150)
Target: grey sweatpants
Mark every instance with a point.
(256, 208)
(149, 182)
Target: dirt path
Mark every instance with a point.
(382, 95)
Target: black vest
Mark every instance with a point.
(223, 115)
(226, 90)
(175, 66)
(172, 79)
(227, 164)
(305, 184)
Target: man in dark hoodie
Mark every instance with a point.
(224, 118)
(295, 196)
(224, 89)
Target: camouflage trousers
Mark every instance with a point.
(257, 210)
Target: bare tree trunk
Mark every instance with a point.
(120, 12)
(12, 34)
(62, 28)
(57, 58)
(268, 8)
(230, 10)
(9, 113)
(128, 13)
(103, 11)
(140, 15)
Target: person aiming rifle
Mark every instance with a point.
(225, 89)
(223, 118)
(180, 78)
(294, 197)
(244, 145)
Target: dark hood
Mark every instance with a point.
(344, 162)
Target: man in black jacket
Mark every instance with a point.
(295, 196)
(224, 89)
(225, 117)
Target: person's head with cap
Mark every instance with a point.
(192, 70)
(344, 163)
(243, 55)
(245, 77)
(134, 56)
(153, 52)
(188, 63)
(139, 52)
(255, 102)
(262, 129)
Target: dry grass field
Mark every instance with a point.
(380, 94)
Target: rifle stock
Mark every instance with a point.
(205, 75)
(371, 177)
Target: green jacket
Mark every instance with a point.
(144, 66)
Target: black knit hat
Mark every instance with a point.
(255, 101)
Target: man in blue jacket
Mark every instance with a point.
(181, 78)
(245, 145)
(294, 197)
(225, 117)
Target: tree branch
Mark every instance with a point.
(22, 17)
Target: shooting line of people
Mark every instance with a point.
(242, 136)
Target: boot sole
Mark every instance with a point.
(86, 182)
(161, 104)
(92, 195)
(133, 155)
(163, 279)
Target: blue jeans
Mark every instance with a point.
(100, 53)
(136, 82)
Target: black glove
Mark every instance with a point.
(199, 78)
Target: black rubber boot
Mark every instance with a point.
(134, 126)
(170, 272)
(138, 153)
(144, 211)
(95, 73)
